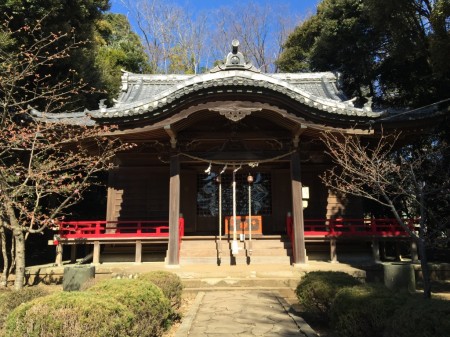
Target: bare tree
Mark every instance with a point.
(44, 167)
(174, 37)
(179, 40)
(394, 178)
(261, 29)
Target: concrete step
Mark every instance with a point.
(270, 250)
(239, 283)
(238, 260)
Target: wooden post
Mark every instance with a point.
(333, 253)
(174, 211)
(138, 253)
(414, 254)
(376, 250)
(59, 254)
(297, 211)
(73, 253)
(96, 254)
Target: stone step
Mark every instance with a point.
(271, 250)
(224, 243)
(227, 252)
(239, 283)
(238, 260)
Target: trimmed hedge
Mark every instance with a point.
(70, 314)
(168, 282)
(145, 300)
(10, 299)
(421, 318)
(364, 310)
(316, 290)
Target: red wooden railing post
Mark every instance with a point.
(181, 225)
(97, 228)
(373, 225)
(180, 234)
(289, 224)
(139, 228)
(332, 227)
(289, 229)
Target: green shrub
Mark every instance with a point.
(168, 282)
(145, 300)
(364, 310)
(69, 314)
(10, 299)
(421, 318)
(316, 290)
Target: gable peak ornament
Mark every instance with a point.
(234, 112)
(235, 61)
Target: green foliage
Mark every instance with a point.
(316, 290)
(393, 51)
(74, 314)
(168, 282)
(73, 19)
(9, 299)
(145, 300)
(337, 38)
(364, 310)
(117, 48)
(421, 318)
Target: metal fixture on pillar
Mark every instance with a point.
(250, 182)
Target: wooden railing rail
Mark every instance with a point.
(335, 228)
(115, 229)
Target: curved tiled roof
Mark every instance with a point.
(144, 94)
(151, 97)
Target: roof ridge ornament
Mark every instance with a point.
(235, 61)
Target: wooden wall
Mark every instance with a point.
(138, 193)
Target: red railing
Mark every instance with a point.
(116, 229)
(352, 227)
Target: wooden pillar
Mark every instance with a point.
(73, 253)
(414, 254)
(376, 250)
(174, 211)
(333, 253)
(59, 254)
(96, 253)
(138, 252)
(298, 229)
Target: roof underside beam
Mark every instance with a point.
(172, 134)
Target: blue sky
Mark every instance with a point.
(293, 11)
(300, 8)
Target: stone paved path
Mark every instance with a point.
(242, 313)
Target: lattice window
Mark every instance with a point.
(208, 194)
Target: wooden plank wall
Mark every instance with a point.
(138, 193)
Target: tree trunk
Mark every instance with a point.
(4, 278)
(425, 268)
(20, 258)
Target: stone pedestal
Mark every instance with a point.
(76, 276)
(399, 276)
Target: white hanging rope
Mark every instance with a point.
(251, 163)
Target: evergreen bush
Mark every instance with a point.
(364, 310)
(168, 282)
(145, 300)
(316, 290)
(10, 299)
(421, 318)
(69, 314)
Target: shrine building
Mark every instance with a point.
(230, 159)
